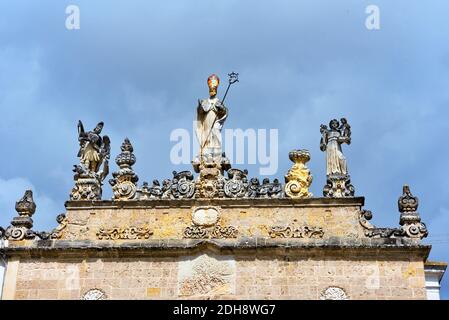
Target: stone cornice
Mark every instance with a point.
(224, 202)
(396, 248)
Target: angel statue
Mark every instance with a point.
(338, 182)
(94, 149)
(94, 155)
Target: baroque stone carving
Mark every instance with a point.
(338, 186)
(26, 206)
(334, 293)
(215, 232)
(298, 179)
(205, 216)
(211, 162)
(236, 185)
(181, 186)
(211, 114)
(204, 225)
(94, 155)
(124, 182)
(21, 226)
(206, 275)
(410, 220)
(130, 233)
(338, 183)
(57, 232)
(294, 231)
(265, 190)
(95, 294)
(372, 231)
(210, 183)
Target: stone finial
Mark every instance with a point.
(298, 179)
(126, 159)
(410, 220)
(407, 202)
(124, 182)
(20, 227)
(26, 207)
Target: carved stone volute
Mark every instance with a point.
(410, 219)
(298, 178)
(21, 226)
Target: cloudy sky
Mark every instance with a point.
(140, 67)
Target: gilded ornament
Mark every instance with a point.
(298, 179)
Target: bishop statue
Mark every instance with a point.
(211, 115)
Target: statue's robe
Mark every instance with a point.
(211, 114)
(335, 160)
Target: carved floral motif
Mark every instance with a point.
(237, 183)
(130, 233)
(216, 232)
(293, 231)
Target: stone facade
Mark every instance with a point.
(313, 248)
(219, 235)
(302, 274)
(252, 218)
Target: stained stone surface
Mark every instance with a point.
(252, 218)
(212, 274)
(205, 216)
(256, 249)
(206, 276)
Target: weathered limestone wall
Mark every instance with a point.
(223, 248)
(304, 275)
(251, 218)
